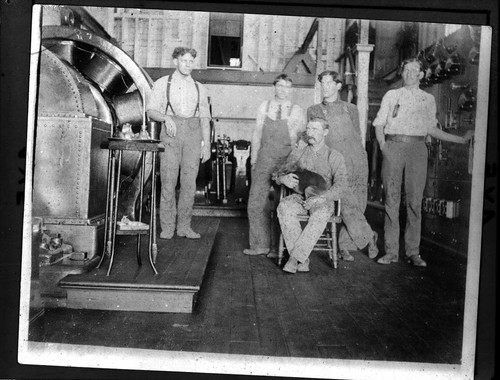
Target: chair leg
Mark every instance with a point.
(329, 241)
(335, 244)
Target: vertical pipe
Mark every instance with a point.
(362, 70)
(141, 198)
(153, 249)
(115, 211)
(106, 248)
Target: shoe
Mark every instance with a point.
(345, 255)
(291, 265)
(167, 235)
(387, 259)
(417, 261)
(256, 252)
(188, 233)
(372, 246)
(303, 267)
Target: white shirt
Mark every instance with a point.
(415, 116)
(183, 96)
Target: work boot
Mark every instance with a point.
(417, 261)
(345, 255)
(387, 259)
(256, 251)
(291, 265)
(303, 267)
(188, 233)
(372, 246)
(167, 234)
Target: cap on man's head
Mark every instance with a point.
(179, 51)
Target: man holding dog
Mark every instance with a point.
(314, 156)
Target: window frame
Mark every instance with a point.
(209, 46)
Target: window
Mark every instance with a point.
(225, 39)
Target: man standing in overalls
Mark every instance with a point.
(182, 104)
(278, 125)
(345, 137)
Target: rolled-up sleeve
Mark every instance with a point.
(204, 106)
(431, 115)
(383, 112)
(158, 96)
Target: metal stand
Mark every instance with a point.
(222, 150)
(116, 147)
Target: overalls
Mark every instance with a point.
(275, 148)
(355, 233)
(181, 152)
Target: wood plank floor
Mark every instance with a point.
(181, 265)
(180, 262)
(248, 305)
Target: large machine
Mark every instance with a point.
(88, 87)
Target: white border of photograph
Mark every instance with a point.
(51, 354)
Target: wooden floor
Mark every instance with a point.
(248, 305)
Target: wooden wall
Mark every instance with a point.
(235, 107)
(149, 36)
(269, 41)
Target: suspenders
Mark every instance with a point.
(168, 96)
(268, 105)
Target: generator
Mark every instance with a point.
(88, 88)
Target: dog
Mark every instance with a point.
(310, 184)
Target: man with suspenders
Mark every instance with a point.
(182, 104)
(279, 123)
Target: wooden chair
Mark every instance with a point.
(327, 241)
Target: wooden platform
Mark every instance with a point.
(181, 265)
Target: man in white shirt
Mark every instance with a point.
(405, 117)
(181, 103)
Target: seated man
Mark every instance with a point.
(317, 157)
